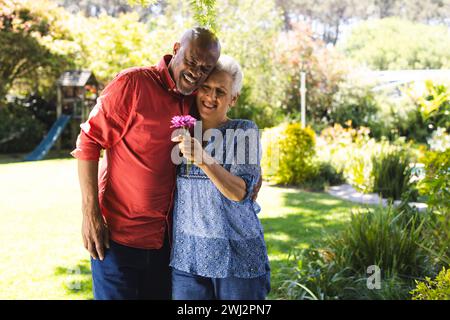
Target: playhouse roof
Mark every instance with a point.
(76, 78)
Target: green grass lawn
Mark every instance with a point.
(41, 252)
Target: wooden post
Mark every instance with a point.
(58, 111)
(303, 98)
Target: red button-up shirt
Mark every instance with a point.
(131, 121)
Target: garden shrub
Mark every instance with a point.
(324, 175)
(436, 183)
(381, 237)
(391, 172)
(363, 161)
(354, 102)
(433, 289)
(434, 105)
(300, 50)
(337, 268)
(315, 276)
(20, 131)
(422, 111)
(288, 153)
(387, 44)
(436, 186)
(349, 150)
(418, 114)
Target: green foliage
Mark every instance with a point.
(298, 50)
(336, 268)
(288, 153)
(116, 44)
(249, 32)
(414, 115)
(205, 13)
(315, 276)
(26, 29)
(323, 175)
(20, 131)
(435, 105)
(142, 3)
(392, 172)
(392, 44)
(368, 165)
(331, 15)
(349, 151)
(436, 187)
(356, 102)
(436, 183)
(433, 289)
(384, 238)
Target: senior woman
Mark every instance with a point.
(218, 247)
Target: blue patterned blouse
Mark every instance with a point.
(213, 236)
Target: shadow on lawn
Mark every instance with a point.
(311, 217)
(78, 280)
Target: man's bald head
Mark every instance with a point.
(203, 37)
(194, 57)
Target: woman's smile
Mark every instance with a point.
(208, 105)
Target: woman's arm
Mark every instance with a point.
(231, 186)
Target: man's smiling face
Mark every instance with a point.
(191, 64)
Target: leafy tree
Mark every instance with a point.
(248, 31)
(25, 32)
(329, 17)
(393, 43)
(116, 44)
(298, 50)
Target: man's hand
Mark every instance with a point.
(94, 232)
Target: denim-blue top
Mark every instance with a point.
(212, 235)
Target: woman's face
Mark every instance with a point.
(214, 97)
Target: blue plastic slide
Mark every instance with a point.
(47, 143)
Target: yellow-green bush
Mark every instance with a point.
(437, 289)
(288, 150)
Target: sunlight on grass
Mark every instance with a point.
(277, 237)
(39, 229)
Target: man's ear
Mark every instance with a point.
(176, 47)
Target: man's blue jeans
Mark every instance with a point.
(188, 286)
(130, 274)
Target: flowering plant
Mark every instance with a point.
(185, 123)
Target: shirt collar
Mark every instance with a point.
(163, 69)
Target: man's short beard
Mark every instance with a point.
(184, 92)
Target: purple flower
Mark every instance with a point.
(182, 122)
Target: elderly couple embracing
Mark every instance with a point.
(156, 229)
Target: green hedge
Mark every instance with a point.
(288, 153)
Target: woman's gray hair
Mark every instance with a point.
(232, 67)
